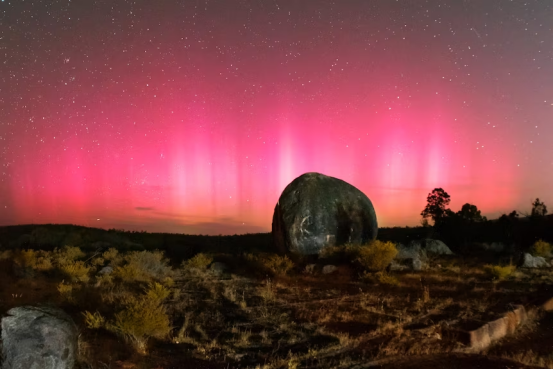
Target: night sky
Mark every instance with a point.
(192, 116)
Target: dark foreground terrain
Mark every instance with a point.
(260, 310)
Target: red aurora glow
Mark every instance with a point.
(196, 126)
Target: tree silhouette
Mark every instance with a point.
(539, 208)
(437, 201)
(469, 212)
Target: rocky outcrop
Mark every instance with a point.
(532, 262)
(414, 256)
(38, 337)
(315, 211)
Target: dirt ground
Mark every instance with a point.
(301, 320)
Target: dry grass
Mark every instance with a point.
(288, 320)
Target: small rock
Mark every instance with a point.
(417, 265)
(38, 337)
(106, 270)
(310, 269)
(328, 269)
(218, 268)
(532, 262)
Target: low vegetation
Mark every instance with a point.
(542, 249)
(499, 272)
(266, 311)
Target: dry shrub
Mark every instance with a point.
(156, 292)
(338, 254)
(199, 261)
(269, 263)
(6, 255)
(278, 265)
(66, 291)
(143, 266)
(110, 254)
(26, 258)
(377, 255)
(139, 320)
(93, 320)
(387, 279)
(541, 249)
(499, 272)
(76, 271)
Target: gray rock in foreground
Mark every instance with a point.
(218, 268)
(532, 262)
(316, 211)
(329, 269)
(38, 337)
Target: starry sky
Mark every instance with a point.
(192, 116)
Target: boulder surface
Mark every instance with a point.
(316, 211)
(38, 337)
(532, 262)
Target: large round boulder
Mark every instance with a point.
(316, 211)
(38, 338)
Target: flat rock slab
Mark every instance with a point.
(38, 338)
(479, 335)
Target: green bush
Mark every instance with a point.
(542, 249)
(499, 272)
(387, 279)
(377, 255)
(199, 261)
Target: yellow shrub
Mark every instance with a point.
(43, 263)
(200, 261)
(499, 272)
(140, 320)
(93, 320)
(128, 273)
(542, 249)
(157, 292)
(110, 254)
(143, 266)
(98, 261)
(387, 279)
(278, 265)
(76, 271)
(377, 255)
(25, 258)
(66, 291)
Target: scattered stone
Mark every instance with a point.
(310, 269)
(417, 264)
(316, 211)
(412, 251)
(218, 268)
(38, 337)
(532, 262)
(328, 269)
(107, 270)
(433, 246)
